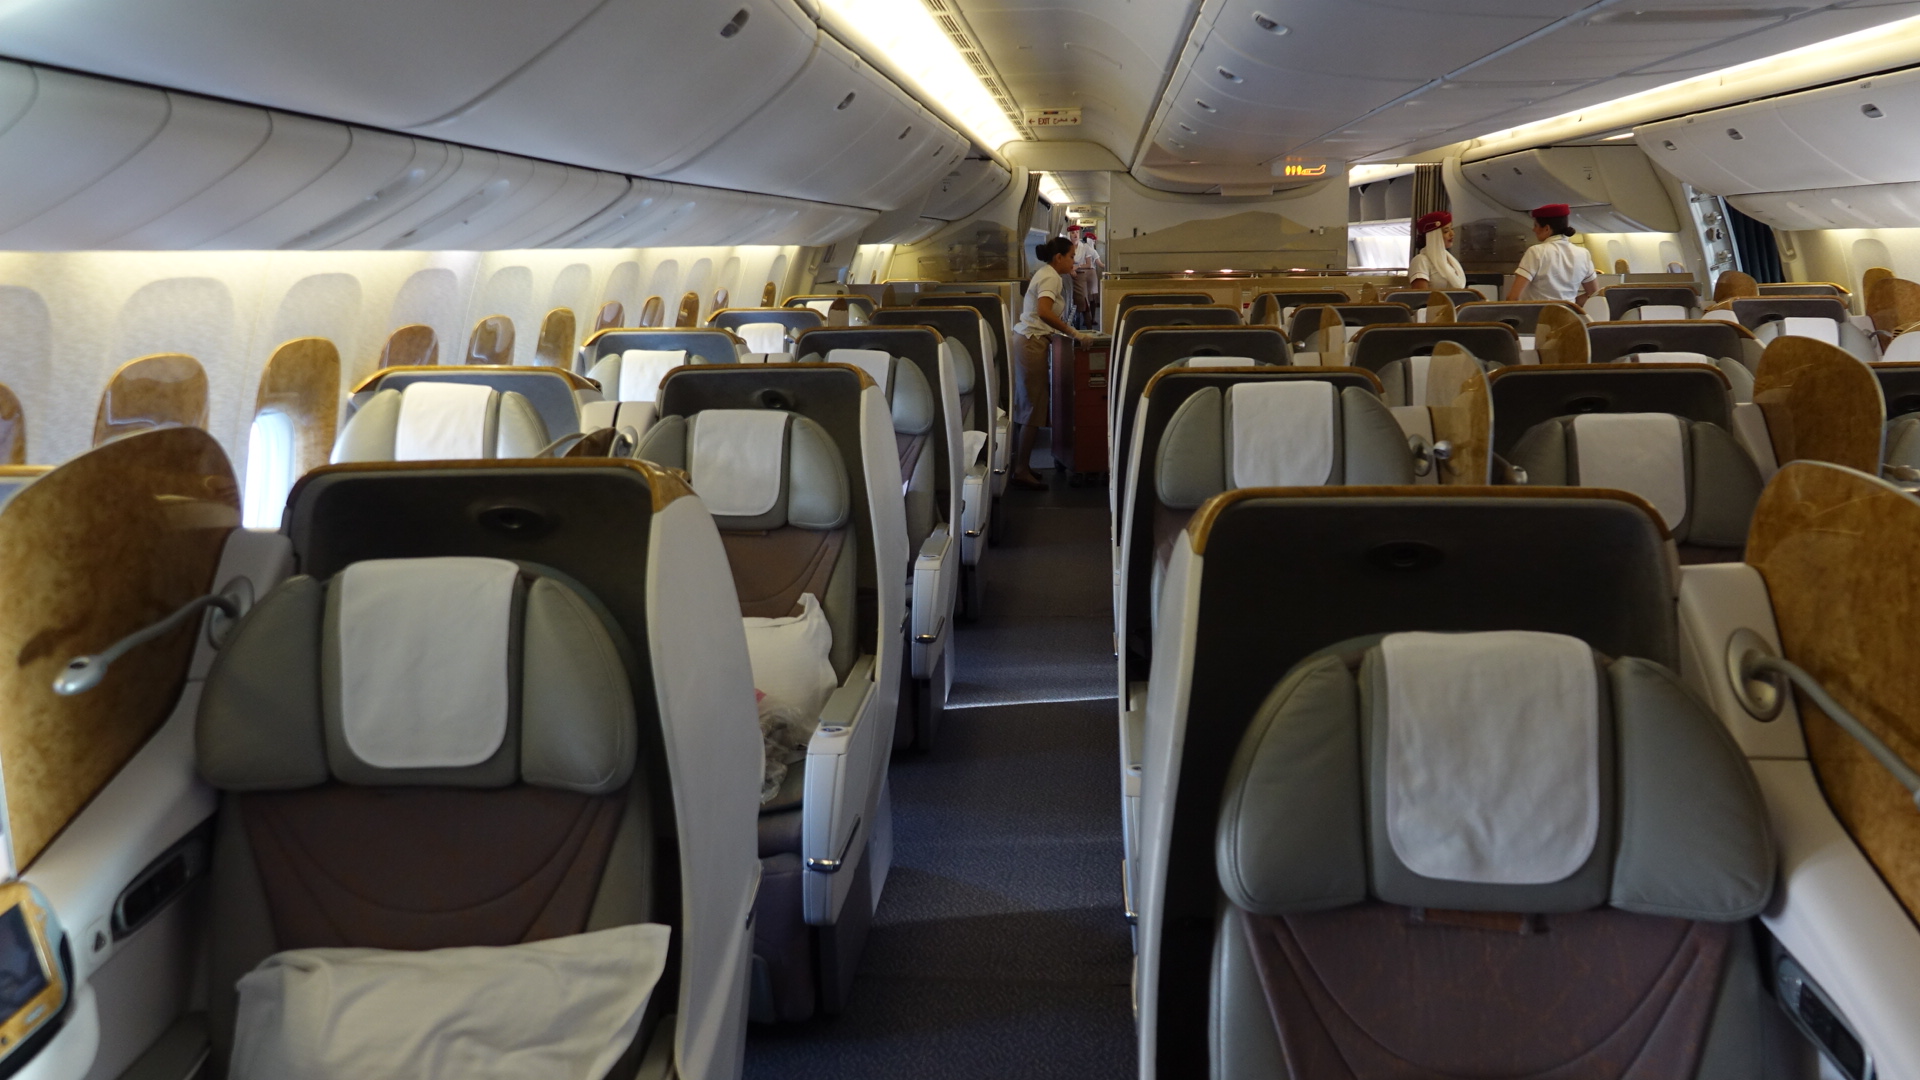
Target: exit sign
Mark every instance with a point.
(1051, 118)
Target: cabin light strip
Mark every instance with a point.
(1878, 48)
(930, 47)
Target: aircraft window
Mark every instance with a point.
(653, 311)
(689, 314)
(720, 298)
(270, 469)
(770, 295)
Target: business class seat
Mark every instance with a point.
(1261, 580)
(1664, 433)
(1400, 354)
(1726, 345)
(1900, 389)
(768, 332)
(1823, 318)
(1494, 853)
(1523, 316)
(1206, 431)
(1650, 303)
(1130, 301)
(839, 309)
(630, 364)
(1320, 333)
(1418, 299)
(994, 380)
(799, 464)
(1276, 308)
(442, 421)
(454, 752)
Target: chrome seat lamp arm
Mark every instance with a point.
(83, 673)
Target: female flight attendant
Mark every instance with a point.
(1043, 314)
(1434, 267)
(1555, 268)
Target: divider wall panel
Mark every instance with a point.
(1820, 403)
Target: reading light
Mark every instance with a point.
(905, 33)
(1050, 187)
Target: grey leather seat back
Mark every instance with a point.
(1306, 320)
(918, 429)
(1379, 833)
(1900, 387)
(1753, 311)
(865, 305)
(990, 308)
(441, 421)
(962, 328)
(1802, 288)
(1594, 568)
(781, 495)
(794, 319)
(1525, 397)
(1418, 298)
(511, 796)
(1611, 342)
(1127, 327)
(1157, 348)
(1376, 346)
(1158, 299)
(549, 390)
(709, 345)
(1693, 473)
(828, 395)
(1522, 316)
(1624, 298)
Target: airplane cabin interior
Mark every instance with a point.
(1257, 539)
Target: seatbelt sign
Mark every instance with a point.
(1051, 118)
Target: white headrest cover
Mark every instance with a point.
(442, 421)
(1219, 361)
(1819, 329)
(1636, 452)
(1662, 312)
(737, 460)
(423, 660)
(1672, 358)
(1492, 756)
(641, 371)
(764, 337)
(1282, 434)
(875, 362)
(1723, 315)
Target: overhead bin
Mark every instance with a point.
(969, 185)
(582, 194)
(835, 129)
(1850, 134)
(1872, 206)
(1610, 188)
(67, 132)
(295, 153)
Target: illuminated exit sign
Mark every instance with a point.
(1052, 118)
(1304, 170)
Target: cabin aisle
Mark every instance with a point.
(999, 949)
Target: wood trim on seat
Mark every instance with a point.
(577, 382)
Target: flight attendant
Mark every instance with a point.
(1087, 265)
(1434, 267)
(1555, 268)
(1042, 315)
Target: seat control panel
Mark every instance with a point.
(1815, 1014)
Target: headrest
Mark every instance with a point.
(875, 362)
(1217, 361)
(445, 672)
(1510, 771)
(756, 469)
(1800, 326)
(1277, 434)
(1694, 474)
(1670, 358)
(636, 374)
(442, 421)
(1721, 315)
(1659, 312)
(961, 361)
(763, 337)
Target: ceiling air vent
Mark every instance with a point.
(1204, 105)
(1668, 143)
(736, 24)
(845, 101)
(1271, 26)
(1871, 111)
(1734, 134)
(1229, 76)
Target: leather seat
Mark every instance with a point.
(1400, 354)
(1695, 475)
(915, 412)
(442, 421)
(1488, 854)
(358, 810)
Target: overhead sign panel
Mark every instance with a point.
(1052, 118)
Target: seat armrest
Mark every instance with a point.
(846, 763)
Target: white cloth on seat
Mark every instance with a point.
(565, 1008)
(764, 337)
(1635, 452)
(1722, 315)
(766, 358)
(1818, 329)
(642, 370)
(971, 443)
(1661, 312)
(1219, 361)
(443, 421)
(875, 362)
(1492, 755)
(423, 660)
(792, 657)
(1282, 434)
(738, 460)
(1672, 358)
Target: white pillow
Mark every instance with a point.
(792, 657)
(563, 1008)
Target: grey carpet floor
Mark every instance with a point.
(999, 949)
